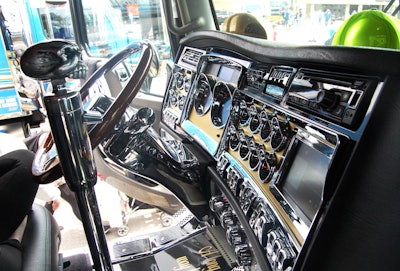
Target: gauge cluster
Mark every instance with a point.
(177, 91)
(179, 86)
(212, 94)
(267, 158)
(258, 135)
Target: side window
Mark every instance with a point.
(114, 24)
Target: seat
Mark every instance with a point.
(244, 24)
(41, 242)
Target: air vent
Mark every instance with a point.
(190, 57)
(255, 78)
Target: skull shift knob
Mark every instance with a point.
(53, 60)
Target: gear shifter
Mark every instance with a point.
(55, 60)
(141, 121)
(153, 145)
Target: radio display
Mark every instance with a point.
(304, 183)
(277, 81)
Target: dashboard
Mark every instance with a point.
(281, 133)
(286, 154)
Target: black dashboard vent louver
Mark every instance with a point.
(255, 78)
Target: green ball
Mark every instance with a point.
(371, 28)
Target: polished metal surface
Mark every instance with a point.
(65, 113)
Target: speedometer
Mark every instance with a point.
(203, 96)
(221, 106)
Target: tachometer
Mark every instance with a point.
(203, 96)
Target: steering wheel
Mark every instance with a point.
(46, 167)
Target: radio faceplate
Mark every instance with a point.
(338, 98)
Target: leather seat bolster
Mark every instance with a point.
(41, 241)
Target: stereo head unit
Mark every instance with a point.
(338, 98)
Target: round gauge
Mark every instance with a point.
(254, 160)
(278, 138)
(244, 150)
(233, 138)
(173, 97)
(202, 96)
(188, 82)
(180, 80)
(255, 120)
(271, 158)
(181, 101)
(265, 131)
(267, 166)
(265, 171)
(244, 115)
(221, 106)
(234, 142)
(265, 126)
(256, 155)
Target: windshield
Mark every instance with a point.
(115, 24)
(298, 22)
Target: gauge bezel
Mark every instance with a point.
(255, 113)
(179, 80)
(243, 107)
(278, 131)
(187, 82)
(209, 81)
(217, 103)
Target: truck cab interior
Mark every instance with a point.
(270, 142)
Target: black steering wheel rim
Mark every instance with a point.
(46, 167)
